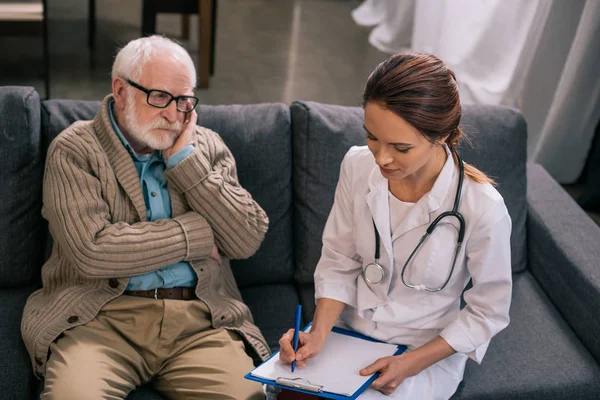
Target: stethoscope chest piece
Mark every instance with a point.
(373, 273)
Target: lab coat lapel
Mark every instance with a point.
(377, 200)
(421, 213)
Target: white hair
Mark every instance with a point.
(131, 59)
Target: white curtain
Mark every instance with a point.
(561, 133)
(485, 42)
(542, 56)
(393, 21)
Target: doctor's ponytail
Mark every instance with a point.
(470, 171)
(422, 90)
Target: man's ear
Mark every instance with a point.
(119, 88)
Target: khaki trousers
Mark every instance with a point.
(134, 341)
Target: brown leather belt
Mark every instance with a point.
(178, 293)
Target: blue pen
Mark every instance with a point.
(296, 333)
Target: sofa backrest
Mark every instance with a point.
(322, 134)
(259, 136)
(21, 169)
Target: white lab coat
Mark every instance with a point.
(390, 311)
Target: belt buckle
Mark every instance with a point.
(156, 294)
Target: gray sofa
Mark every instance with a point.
(289, 158)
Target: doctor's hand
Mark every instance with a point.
(309, 345)
(394, 370)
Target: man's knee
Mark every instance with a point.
(65, 388)
(66, 380)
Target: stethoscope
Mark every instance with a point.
(374, 272)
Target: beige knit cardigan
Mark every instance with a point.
(95, 208)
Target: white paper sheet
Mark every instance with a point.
(336, 368)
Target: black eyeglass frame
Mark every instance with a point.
(149, 92)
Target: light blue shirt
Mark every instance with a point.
(151, 170)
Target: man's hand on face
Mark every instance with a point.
(189, 129)
(215, 255)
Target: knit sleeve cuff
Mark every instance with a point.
(179, 156)
(198, 235)
(190, 172)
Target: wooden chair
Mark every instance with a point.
(207, 11)
(27, 18)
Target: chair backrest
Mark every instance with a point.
(322, 134)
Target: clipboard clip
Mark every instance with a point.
(299, 383)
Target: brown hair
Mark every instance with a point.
(422, 90)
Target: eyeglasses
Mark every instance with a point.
(161, 99)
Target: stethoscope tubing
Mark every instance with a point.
(379, 271)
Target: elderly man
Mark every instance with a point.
(141, 204)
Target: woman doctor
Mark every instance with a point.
(411, 224)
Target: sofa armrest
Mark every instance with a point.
(564, 254)
(16, 374)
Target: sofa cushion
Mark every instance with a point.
(499, 148)
(57, 115)
(259, 136)
(322, 134)
(16, 373)
(537, 356)
(260, 140)
(273, 308)
(21, 172)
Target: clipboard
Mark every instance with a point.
(314, 388)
